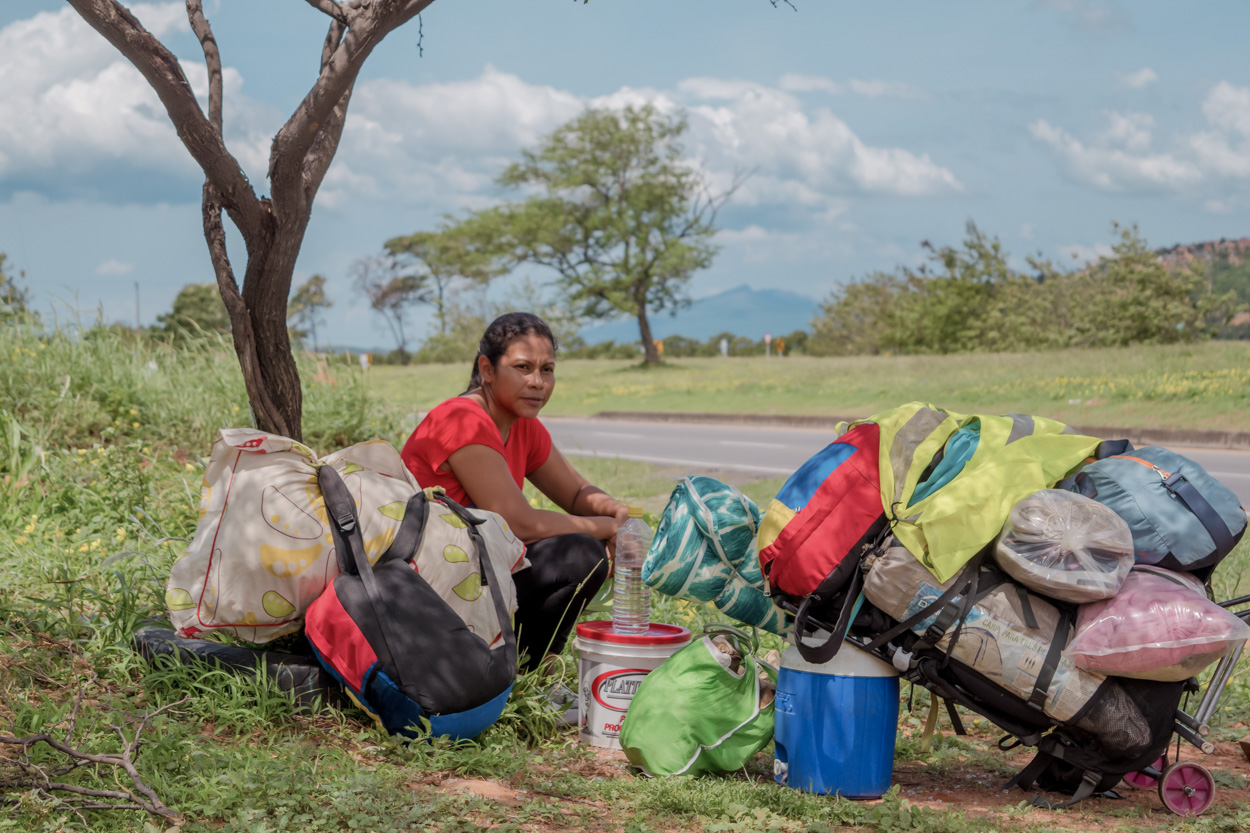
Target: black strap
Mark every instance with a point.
(345, 528)
(486, 568)
(1026, 608)
(1087, 787)
(1025, 778)
(826, 650)
(963, 582)
(956, 723)
(1178, 485)
(1058, 642)
(411, 529)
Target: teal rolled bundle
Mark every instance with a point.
(704, 550)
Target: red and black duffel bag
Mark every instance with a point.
(817, 529)
(397, 647)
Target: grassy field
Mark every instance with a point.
(1203, 386)
(101, 446)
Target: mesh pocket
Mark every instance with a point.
(1117, 722)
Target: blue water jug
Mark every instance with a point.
(836, 724)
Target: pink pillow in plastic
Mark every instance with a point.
(1160, 626)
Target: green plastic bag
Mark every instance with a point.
(697, 713)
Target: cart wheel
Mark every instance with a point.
(1146, 779)
(1186, 788)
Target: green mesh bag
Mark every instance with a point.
(704, 551)
(698, 713)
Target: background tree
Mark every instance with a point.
(456, 255)
(392, 292)
(619, 215)
(197, 308)
(272, 228)
(14, 299)
(968, 299)
(304, 308)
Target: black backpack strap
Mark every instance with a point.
(411, 529)
(964, 583)
(1046, 675)
(826, 650)
(1211, 521)
(486, 567)
(345, 529)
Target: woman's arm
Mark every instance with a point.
(484, 475)
(568, 489)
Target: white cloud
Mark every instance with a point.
(79, 115)
(72, 110)
(451, 139)
(1121, 157)
(1026, 231)
(1101, 16)
(792, 82)
(1139, 80)
(114, 267)
(1082, 255)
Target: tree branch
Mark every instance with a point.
(241, 329)
(331, 8)
(35, 776)
(162, 71)
(288, 161)
(212, 60)
(333, 38)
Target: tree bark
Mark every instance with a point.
(272, 229)
(651, 355)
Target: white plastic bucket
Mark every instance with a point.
(610, 666)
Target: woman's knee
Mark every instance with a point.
(590, 554)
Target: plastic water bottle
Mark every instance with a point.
(631, 600)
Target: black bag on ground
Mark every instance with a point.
(295, 670)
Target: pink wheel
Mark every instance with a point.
(1186, 788)
(1142, 779)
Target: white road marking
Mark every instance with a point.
(616, 434)
(705, 464)
(751, 444)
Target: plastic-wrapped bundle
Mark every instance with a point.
(1065, 546)
(1000, 639)
(704, 550)
(1160, 626)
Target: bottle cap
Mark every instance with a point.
(635, 511)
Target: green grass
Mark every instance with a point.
(1202, 386)
(94, 509)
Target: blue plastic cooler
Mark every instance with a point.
(836, 724)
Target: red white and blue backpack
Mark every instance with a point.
(401, 651)
(825, 519)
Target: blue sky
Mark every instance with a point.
(870, 127)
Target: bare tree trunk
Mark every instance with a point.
(651, 355)
(272, 229)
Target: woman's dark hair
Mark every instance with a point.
(504, 330)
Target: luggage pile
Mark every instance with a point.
(1049, 581)
(1052, 582)
(404, 596)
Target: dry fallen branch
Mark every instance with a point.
(18, 772)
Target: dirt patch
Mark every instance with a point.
(975, 787)
(979, 792)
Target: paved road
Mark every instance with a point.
(770, 452)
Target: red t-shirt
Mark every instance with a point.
(459, 422)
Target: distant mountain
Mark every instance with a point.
(742, 311)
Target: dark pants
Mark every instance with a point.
(565, 573)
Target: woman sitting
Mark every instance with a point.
(481, 445)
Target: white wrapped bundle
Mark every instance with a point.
(1065, 546)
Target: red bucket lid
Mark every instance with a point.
(657, 633)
